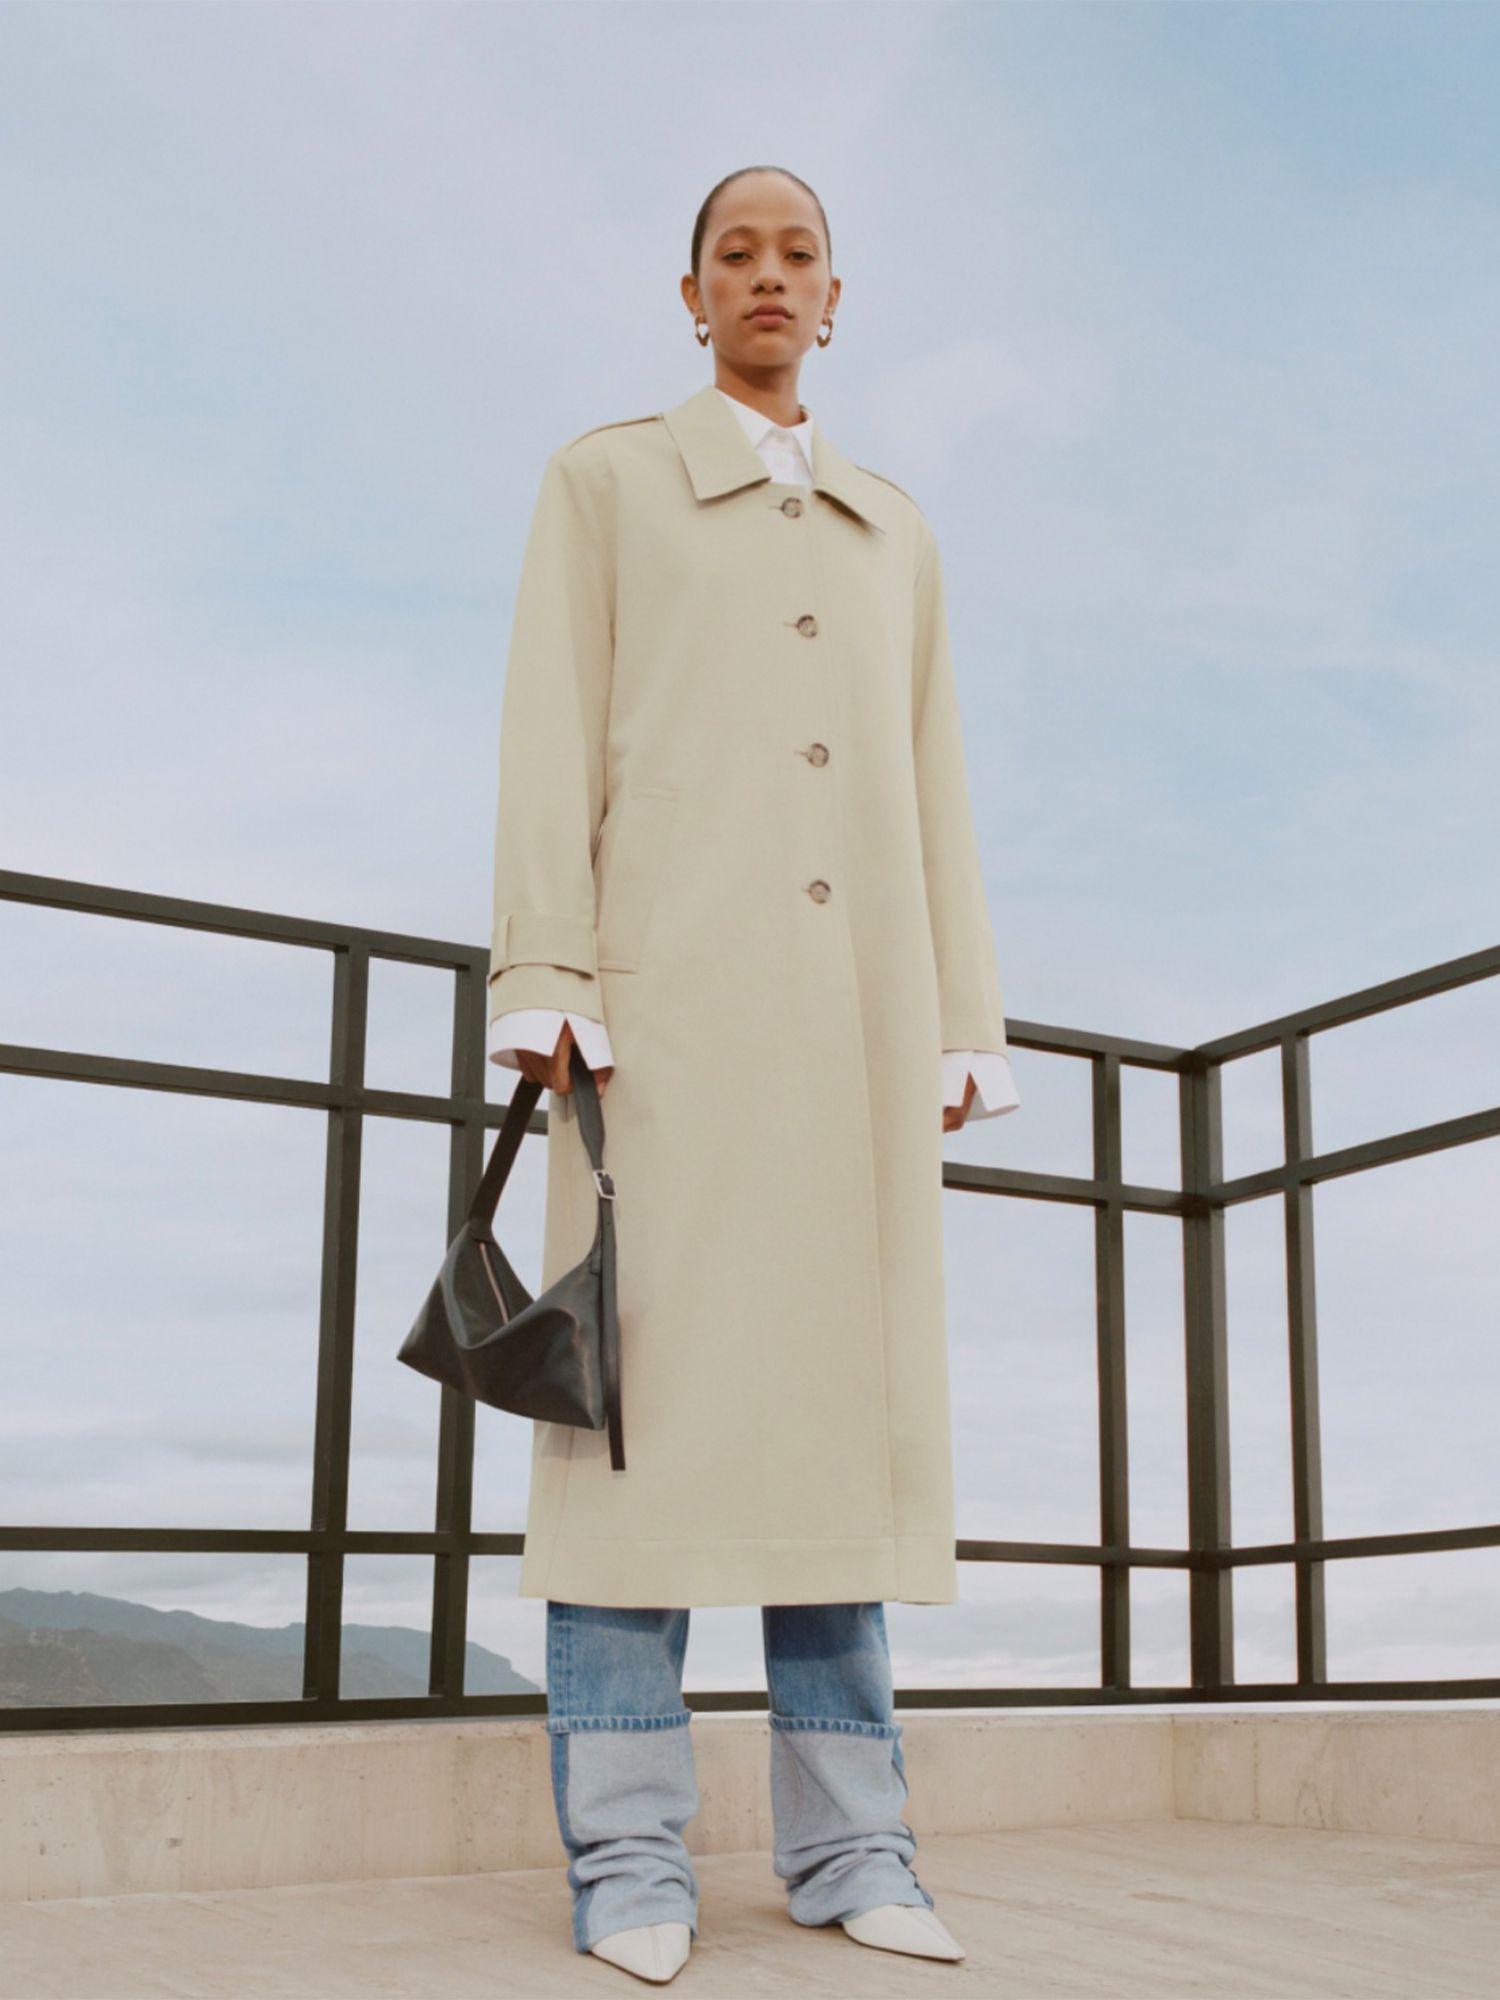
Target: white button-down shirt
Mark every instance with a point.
(786, 451)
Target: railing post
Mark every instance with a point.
(454, 1508)
(330, 1479)
(1302, 1360)
(1210, 1586)
(1114, 1415)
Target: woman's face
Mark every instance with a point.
(763, 248)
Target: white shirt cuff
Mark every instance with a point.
(538, 1028)
(994, 1086)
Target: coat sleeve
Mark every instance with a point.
(553, 723)
(969, 998)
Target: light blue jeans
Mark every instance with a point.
(624, 1782)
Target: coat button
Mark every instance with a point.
(819, 891)
(807, 625)
(819, 753)
(791, 506)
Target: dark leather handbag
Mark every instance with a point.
(481, 1332)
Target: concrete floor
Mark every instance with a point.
(1107, 1911)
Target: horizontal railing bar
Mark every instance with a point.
(231, 920)
(246, 1086)
(1358, 1006)
(1475, 1689)
(1048, 1039)
(1348, 1548)
(260, 1541)
(249, 1086)
(432, 1708)
(972, 1178)
(1089, 1554)
(428, 1541)
(1413, 1144)
(1478, 1689)
(78, 1066)
(85, 1066)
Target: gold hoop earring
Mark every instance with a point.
(703, 337)
(828, 322)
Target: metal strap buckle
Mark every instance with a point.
(603, 1183)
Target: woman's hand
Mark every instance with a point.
(553, 1070)
(955, 1114)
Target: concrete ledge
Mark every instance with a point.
(121, 1812)
(1428, 1773)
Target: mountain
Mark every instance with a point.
(67, 1648)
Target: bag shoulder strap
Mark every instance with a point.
(523, 1102)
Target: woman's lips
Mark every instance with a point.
(771, 318)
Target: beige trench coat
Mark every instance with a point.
(781, 939)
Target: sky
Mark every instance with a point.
(1177, 320)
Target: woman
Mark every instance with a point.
(735, 861)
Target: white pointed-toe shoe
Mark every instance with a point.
(905, 1927)
(650, 1951)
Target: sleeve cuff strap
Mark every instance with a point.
(536, 937)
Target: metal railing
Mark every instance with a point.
(1200, 1204)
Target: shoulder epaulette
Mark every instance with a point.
(618, 425)
(891, 482)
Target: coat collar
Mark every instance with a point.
(720, 458)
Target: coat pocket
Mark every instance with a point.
(629, 863)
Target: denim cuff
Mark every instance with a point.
(559, 1725)
(837, 1725)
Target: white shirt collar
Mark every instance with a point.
(757, 424)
